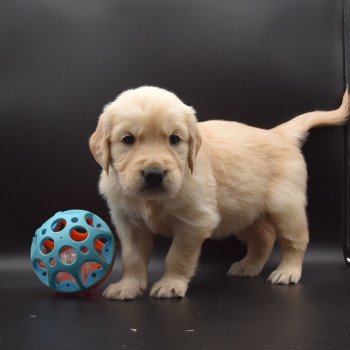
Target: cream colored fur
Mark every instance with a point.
(222, 178)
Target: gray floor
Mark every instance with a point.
(218, 313)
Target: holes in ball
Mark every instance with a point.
(78, 234)
(39, 263)
(103, 240)
(89, 267)
(89, 220)
(74, 220)
(84, 249)
(100, 246)
(43, 231)
(40, 268)
(64, 277)
(52, 261)
(68, 255)
(47, 246)
(58, 225)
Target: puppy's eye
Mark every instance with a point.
(174, 139)
(129, 139)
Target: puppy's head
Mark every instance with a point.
(150, 137)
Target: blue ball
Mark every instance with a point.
(73, 251)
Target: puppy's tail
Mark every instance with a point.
(298, 127)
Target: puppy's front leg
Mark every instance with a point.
(136, 249)
(180, 265)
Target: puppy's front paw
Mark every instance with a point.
(285, 276)
(244, 269)
(125, 289)
(169, 288)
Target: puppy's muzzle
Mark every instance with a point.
(153, 177)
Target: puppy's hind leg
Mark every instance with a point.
(293, 235)
(260, 238)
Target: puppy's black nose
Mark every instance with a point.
(153, 177)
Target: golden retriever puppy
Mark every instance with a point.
(166, 173)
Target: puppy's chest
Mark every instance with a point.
(152, 216)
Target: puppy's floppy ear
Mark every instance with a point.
(99, 141)
(195, 139)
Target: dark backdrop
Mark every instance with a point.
(61, 61)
